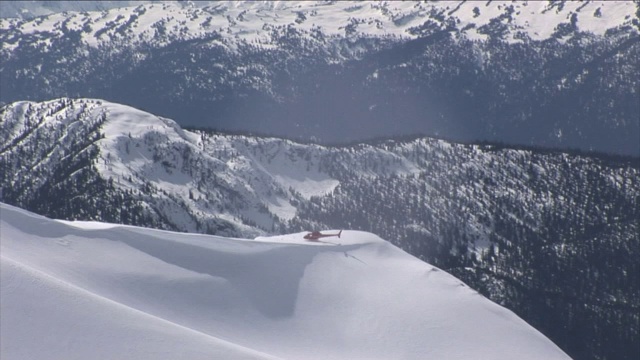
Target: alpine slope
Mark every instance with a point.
(89, 290)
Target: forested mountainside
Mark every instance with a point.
(552, 74)
(551, 235)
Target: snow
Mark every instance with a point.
(82, 290)
(539, 19)
(294, 174)
(252, 21)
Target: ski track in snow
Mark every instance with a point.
(76, 290)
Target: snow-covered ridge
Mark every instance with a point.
(194, 177)
(77, 291)
(253, 21)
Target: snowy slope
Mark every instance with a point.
(89, 290)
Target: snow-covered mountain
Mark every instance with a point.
(558, 73)
(253, 20)
(486, 213)
(78, 290)
(179, 179)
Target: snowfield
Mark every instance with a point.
(76, 290)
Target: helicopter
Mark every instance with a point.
(315, 235)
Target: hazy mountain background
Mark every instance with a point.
(556, 74)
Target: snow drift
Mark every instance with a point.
(80, 290)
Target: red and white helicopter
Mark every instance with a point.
(315, 235)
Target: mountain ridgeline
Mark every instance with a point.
(551, 235)
(341, 72)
